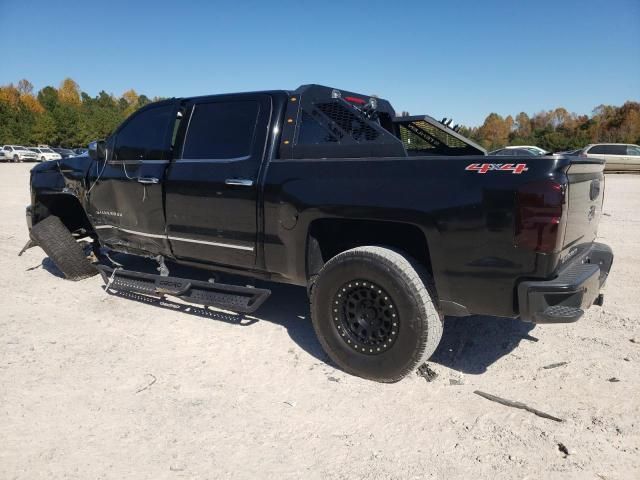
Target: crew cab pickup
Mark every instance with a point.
(391, 223)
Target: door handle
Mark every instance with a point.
(239, 182)
(148, 180)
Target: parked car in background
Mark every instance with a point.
(519, 152)
(64, 152)
(80, 151)
(538, 150)
(3, 157)
(619, 156)
(45, 154)
(18, 153)
(569, 152)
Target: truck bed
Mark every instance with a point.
(465, 212)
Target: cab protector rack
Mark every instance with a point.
(227, 297)
(324, 122)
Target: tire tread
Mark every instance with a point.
(419, 281)
(57, 242)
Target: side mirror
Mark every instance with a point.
(97, 150)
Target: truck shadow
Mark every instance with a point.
(469, 345)
(287, 306)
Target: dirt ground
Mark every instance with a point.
(96, 385)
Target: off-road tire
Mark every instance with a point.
(16, 159)
(406, 288)
(56, 240)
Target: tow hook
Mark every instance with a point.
(599, 300)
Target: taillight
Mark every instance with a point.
(539, 221)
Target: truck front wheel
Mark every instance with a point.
(374, 314)
(57, 242)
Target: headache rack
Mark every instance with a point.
(324, 122)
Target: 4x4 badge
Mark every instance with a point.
(515, 168)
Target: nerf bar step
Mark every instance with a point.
(219, 295)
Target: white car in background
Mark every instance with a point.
(619, 156)
(538, 150)
(18, 153)
(45, 153)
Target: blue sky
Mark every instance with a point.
(461, 59)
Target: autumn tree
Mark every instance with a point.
(69, 92)
(495, 130)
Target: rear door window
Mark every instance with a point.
(221, 130)
(618, 149)
(608, 149)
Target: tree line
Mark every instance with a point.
(64, 116)
(70, 117)
(556, 130)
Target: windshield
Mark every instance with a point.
(47, 150)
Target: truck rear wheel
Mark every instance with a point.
(373, 313)
(56, 240)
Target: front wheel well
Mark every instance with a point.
(329, 237)
(64, 206)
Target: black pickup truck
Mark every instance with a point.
(391, 223)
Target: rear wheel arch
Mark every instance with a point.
(329, 237)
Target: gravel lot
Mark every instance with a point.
(94, 385)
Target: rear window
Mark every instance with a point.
(221, 130)
(633, 150)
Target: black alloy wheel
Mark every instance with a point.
(366, 317)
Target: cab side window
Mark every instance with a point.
(221, 130)
(146, 135)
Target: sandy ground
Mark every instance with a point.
(94, 385)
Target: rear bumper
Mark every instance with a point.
(566, 297)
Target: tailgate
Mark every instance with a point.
(584, 201)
